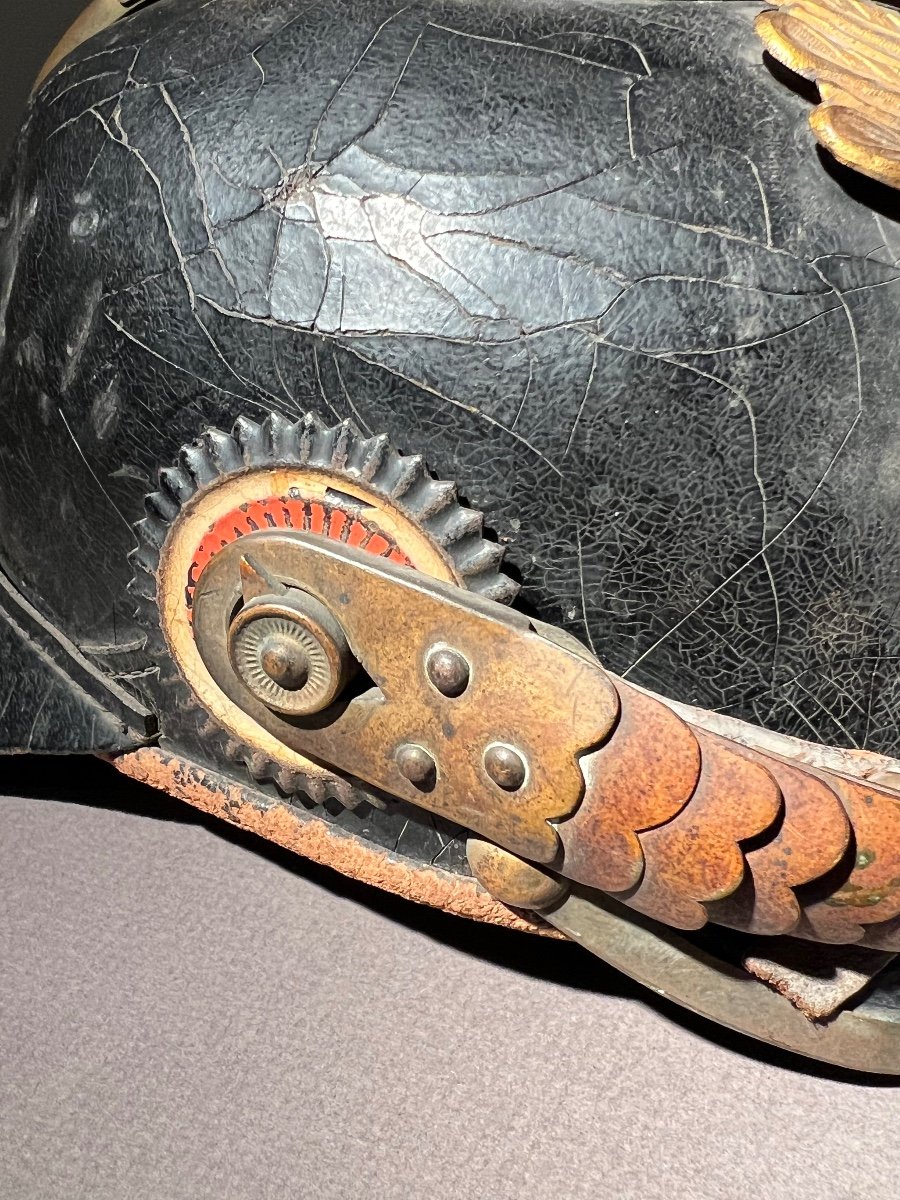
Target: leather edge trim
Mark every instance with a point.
(315, 839)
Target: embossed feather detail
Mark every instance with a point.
(851, 49)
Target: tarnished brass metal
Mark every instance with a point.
(392, 618)
(865, 905)
(448, 671)
(286, 647)
(697, 856)
(812, 840)
(851, 49)
(284, 661)
(638, 780)
(290, 653)
(418, 766)
(506, 767)
(549, 757)
(865, 1038)
(511, 880)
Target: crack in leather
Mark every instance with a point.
(590, 270)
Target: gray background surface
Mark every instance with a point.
(189, 1013)
(185, 1012)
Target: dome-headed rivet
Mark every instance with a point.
(284, 661)
(448, 671)
(290, 653)
(505, 766)
(417, 765)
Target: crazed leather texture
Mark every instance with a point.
(583, 257)
(49, 692)
(42, 710)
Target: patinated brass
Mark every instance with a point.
(506, 767)
(286, 647)
(864, 1038)
(418, 766)
(448, 671)
(311, 461)
(812, 840)
(851, 49)
(511, 880)
(638, 780)
(556, 762)
(392, 618)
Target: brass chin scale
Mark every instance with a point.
(336, 612)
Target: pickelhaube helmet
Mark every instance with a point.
(460, 443)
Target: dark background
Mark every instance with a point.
(189, 1014)
(31, 28)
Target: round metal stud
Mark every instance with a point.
(505, 766)
(448, 671)
(417, 765)
(285, 662)
(290, 653)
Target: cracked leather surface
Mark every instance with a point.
(48, 693)
(41, 710)
(581, 256)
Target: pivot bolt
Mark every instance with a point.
(505, 766)
(448, 671)
(290, 652)
(284, 660)
(417, 765)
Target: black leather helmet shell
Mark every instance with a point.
(583, 257)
